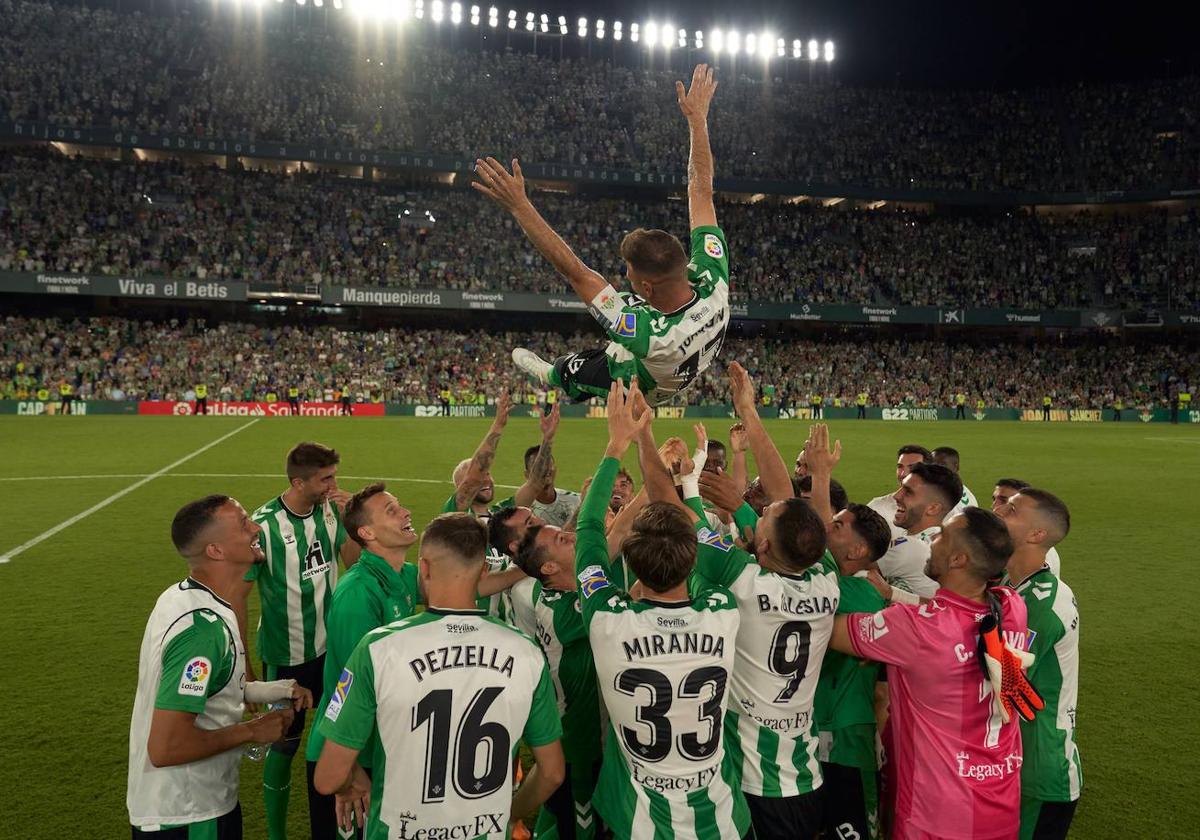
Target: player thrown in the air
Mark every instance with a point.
(672, 329)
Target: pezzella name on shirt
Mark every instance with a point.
(990, 770)
(461, 656)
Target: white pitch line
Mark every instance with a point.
(234, 475)
(45, 535)
(1174, 440)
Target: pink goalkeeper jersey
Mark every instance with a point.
(958, 768)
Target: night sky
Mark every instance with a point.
(969, 43)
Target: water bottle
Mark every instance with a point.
(257, 752)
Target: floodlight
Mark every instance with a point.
(699, 42)
(667, 33)
(616, 31)
(437, 11)
(301, 2)
(337, 4)
(582, 32)
(732, 42)
(583, 23)
(682, 38)
(796, 48)
(814, 50)
(651, 34)
(562, 25)
(420, 12)
(751, 44)
(474, 11)
(829, 50)
(764, 45)
(780, 48)
(633, 32)
(318, 3)
(717, 39)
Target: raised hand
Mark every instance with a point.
(694, 102)
(503, 407)
(739, 441)
(549, 423)
(742, 390)
(821, 460)
(622, 428)
(507, 190)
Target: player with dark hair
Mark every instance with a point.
(1005, 489)
(187, 713)
(947, 456)
(670, 331)
(380, 588)
(1051, 774)
(955, 685)
(663, 660)
(303, 539)
(906, 456)
(926, 497)
(444, 696)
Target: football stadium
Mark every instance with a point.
(606, 420)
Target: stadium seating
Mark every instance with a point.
(117, 358)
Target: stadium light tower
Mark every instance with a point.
(420, 10)
(600, 30)
(796, 50)
(716, 40)
(562, 25)
(438, 11)
(545, 23)
(751, 44)
(733, 42)
(512, 18)
(828, 51)
(765, 40)
(667, 34)
(633, 32)
(699, 42)
(651, 34)
(814, 50)
(780, 48)
(617, 33)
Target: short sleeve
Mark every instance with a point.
(350, 716)
(543, 727)
(624, 320)
(195, 665)
(451, 505)
(710, 258)
(886, 636)
(717, 559)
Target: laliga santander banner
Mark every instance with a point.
(258, 409)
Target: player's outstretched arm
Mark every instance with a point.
(508, 190)
(772, 471)
(694, 104)
(542, 467)
(485, 455)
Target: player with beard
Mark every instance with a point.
(671, 330)
(1051, 775)
(303, 540)
(956, 686)
(191, 692)
(1005, 489)
(906, 456)
(926, 496)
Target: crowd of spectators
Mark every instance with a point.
(195, 71)
(303, 230)
(116, 358)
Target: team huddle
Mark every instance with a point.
(710, 656)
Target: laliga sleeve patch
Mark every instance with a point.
(627, 327)
(592, 580)
(713, 247)
(194, 681)
(340, 693)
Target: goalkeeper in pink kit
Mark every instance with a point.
(954, 668)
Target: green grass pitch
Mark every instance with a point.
(74, 606)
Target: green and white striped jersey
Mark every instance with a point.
(663, 671)
(191, 661)
(494, 605)
(786, 624)
(296, 581)
(1052, 771)
(666, 351)
(555, 621)
(449, 694)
